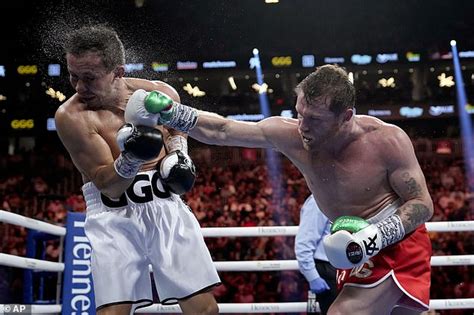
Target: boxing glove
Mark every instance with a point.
(353, 240)
(172, 114)
(137, 114)
(177, 172)
(137, 145)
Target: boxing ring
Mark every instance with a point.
(73, 234)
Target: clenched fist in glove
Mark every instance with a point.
(353, 240)
(155, 107)
(177, 172)
(137, 144)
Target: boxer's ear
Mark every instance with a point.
(119, 72)
(348, 114)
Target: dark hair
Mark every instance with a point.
(332, 82)
(100, 39)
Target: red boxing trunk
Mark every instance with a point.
(409, 264)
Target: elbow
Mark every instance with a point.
(110, 193)
(108, 186)
(430, 207)
(222, 133)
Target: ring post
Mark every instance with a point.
(78, 292)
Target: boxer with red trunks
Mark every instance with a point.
(356, 166)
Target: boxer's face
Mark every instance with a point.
(89, 77)
(317, 125)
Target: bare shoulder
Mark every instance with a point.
(382, 132)
(281, 131)
(390, 141)
(70, 115)
(148, 85)
(70, 109)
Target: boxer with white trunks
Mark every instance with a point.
(133, 173)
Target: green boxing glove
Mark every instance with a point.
(171, 114)
(353, 240)
(159, 103)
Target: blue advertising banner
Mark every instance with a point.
(78, 293)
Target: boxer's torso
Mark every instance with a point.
(352, 181)
(106, 119)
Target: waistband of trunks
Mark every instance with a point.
(146, 187)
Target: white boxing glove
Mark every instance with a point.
(354, 241)
(136, 113)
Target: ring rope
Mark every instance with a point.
(452, 226)
(437, 304)
(30, 263)
(16, 219)
(254, 265)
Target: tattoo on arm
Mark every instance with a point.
(413, 215)
(414, 189)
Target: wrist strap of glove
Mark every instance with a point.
(177, 143)
(391, 230)
(127, 166)
(183, 118)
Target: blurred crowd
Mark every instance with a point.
(238, 191)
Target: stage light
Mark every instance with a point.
(255, 51)
(350, 76)
(452, 42)
(464, 118)
(260, 88)
(445, 81)
(193, 91)
(387, 83)
(56, 94)
(232, 83)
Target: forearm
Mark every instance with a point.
(307, 266)
(210, 128)
(415, 212)
(110, 183)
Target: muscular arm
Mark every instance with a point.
(90, 153)
(271, 132)
(408, 181)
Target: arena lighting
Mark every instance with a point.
(350, 76)
(232, 83)
(54, 70)
(27, 69)
(261, 88)
(22, 124)
(272, 159)
(445, 81)
(56, 94)
(452, 42)
(464, 117)
(3, 97)
(193, 91)
(387, 83)
(272, 1)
